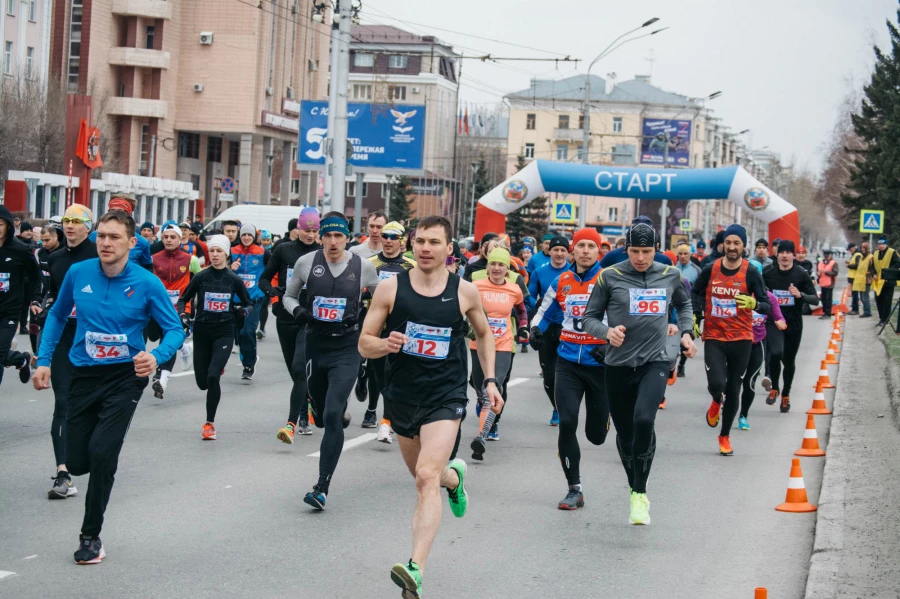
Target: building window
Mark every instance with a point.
(612, 214)
(195, 182)
(579, 151)
(351, 189)
(562, 152)
(563, 121)
(214, 149)
(32, 10)
(397, 92)
(29, 63)
(617, 124)
(529, 150)
(144, 166)
(8, 58)
(363, 60)
(295, 185)
(581, 121)
(398, 62)
(11, 7)
(529, 121)
(189, 145)
(362, 92)
(151, 33)
(74, 47)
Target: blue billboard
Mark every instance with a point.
(657, 133)
(383, 136)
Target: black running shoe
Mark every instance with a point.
(370, 420)
(347, 418)
(572, 501)
(25, 369)
(303, 427)
(361, 389)
(315, 498)
(90, 551)
(478, 446)
(62, 486)
(248, 373)
(681, 371)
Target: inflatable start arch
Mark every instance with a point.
(728, 183)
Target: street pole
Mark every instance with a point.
(585, 140)
(332, 108)
(341, 80)
(357, 204)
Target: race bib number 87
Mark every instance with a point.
(426, 341)
(647, 302)
(104, 346)
(784, 297)
(576, 306)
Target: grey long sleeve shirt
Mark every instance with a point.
(368, 277)
(641, 302)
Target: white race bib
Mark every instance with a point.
(724, 308)
(427, 341)
(758, 319)
(647, 302)
(384, 275)
(784, 297)
(498, 326)
(174, 294)
(576, 306)
(329, 309)
(104, 346)
(4, 281)
(249, 281)
(216, 302)
(290, 275)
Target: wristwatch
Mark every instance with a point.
(485, 384)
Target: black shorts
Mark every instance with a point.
(408, 419)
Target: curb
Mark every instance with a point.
(893, 382)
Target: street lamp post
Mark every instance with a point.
(475, 166)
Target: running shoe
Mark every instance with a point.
(662, 406)
(640, 509)
(681, 371)
(159, 388)
(766, 383)
(384, 433)
(409, 578)
(853, 313)
(743, 424)
(494, 435)
(478, 446)
(347, 418)
(25, 369)
(315, 498)
(673, 376)
(286, 433)
(186, 351)
(725, 446)
(247, 375)
(865, 316)
(303, 427)
(361, 389)
(712, 414)
(773, 396)
(62, 486)
(209, 432)
(459, 497)
(369, 420)
(573, 500)
(261, 334)
(90, 550)
(785, 404)
(554, 418)
(524, 349)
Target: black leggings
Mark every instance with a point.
(293, 347)
(212, 348)
(757, 352)
(375, 382)
(264, 314)
(574, 381)
(9, 357)
(726, 365)
(788, 357)
(547, 356)
(634, 398)
(60, 379)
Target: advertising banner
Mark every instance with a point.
(653, 144)
(382, 136)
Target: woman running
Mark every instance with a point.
(214, 331)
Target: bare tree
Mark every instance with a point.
(32, 127)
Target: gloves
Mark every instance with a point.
(536, 339)
(523, 335)
(696, 328)
(301, 315)
(242, 310)
(599, 353)
(186, 323)
(745, 302)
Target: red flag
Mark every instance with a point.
(466, 120)
(459, 123)
(88, 146)
(81, 144)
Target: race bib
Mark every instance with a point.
(4, 281)
(647, 302)
(329, 309)
(216, 302)
(784, 297)
(103, 346)
(576, 306)
(290, 275)
(174, 294)
(758, 319)
(426, 341)
(498, 326)
(384, 275)
(724, 308)
(249, 281)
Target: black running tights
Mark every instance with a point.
(293, 347)
(726, 365)
(212, 348)
(574, 381)
(754, 366)
(788, 358)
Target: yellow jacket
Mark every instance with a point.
(884, 262)
(862, 271)
(851, 270)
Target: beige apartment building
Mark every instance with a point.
(196, 90)
(25, 27)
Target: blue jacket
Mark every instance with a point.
(139, 254)
(540, 282)
(537, 261)
(112, 315)
(253, 262)
(621, 255)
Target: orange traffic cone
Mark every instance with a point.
(810, 447)
(823, 376)
(830, 358)
(796, 500)
(836, 335)
(818, 406)
(760, 593)
(832, 344)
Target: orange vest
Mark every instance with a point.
(724, 321)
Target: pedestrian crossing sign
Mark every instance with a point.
(564, 212)
(684, 224)
(871, 221)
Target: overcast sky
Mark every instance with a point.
(783, 66)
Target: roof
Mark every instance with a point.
(572, 88)
(388, 34)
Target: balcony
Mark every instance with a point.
(139, 57)
(139, 107)
(569, 135)
(155, 9)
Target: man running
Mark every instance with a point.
(374, 224)
(140, 253)
(727, 293)
(761, 249)
(248, 261)
(20, 280)
(792, 286)
(110, 366)
(542, 257)
(334, 280)
(424, 310)
(291, 333)
(635, 296)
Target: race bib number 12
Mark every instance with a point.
(426, 341)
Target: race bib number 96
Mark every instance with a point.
(216, 302)
(329, 309)
(104, 346)
(647, 302)
(426, 341)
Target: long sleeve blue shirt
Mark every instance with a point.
(112, 315)
(540, 283)
(537, 261)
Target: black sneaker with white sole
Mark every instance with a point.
(62, 486)
(248, 373)
(90, 551)
(370, 420)
(25, 369)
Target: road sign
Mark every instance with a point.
(564, 212)
(226, 197)
(871, 221)
(612, 230)
(228, 184)
(684, 224)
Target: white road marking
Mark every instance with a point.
(29, 557)
(31, 400)
(351, 443)
(4, 574)
(515, 382)
(178, 374)
(227, 486)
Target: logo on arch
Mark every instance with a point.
(756, 199)
(515, 191)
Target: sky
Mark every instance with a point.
(784, 67)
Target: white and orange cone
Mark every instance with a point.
(796, 500)
(810, 447)
(832, 345)
(830, 358)
(818, 405)
(823, 376)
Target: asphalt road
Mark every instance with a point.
(225, 518)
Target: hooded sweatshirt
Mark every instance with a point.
(20, 277)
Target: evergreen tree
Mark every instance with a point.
(875, 174)
(400, 210)
(531, 219)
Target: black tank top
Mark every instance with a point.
(333, 303)
(432, 368)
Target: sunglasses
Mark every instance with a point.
(71, 219)
(390, 236)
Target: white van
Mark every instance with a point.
(272, 218)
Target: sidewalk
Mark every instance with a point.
(857, 540)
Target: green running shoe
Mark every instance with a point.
(640, 509)
(409, 578)
(459, 498)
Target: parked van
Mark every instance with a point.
(272, 218)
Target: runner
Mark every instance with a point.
(374, 224)
(790, 283)
(540, 258)
(633, 297)
(717, 251)
(334, 280)
(761, 249)
(248, 261)
(579, 371)
(698, 256)
(214, 325)
(620, 254)
(52, 239)
(389, 263)
(231, 229)
(727, 292)
(292, 333)
(20, 280)
(425, 378)
(140, 252)
(109, 363)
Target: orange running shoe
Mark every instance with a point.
(773, 395)
(673, 376)
(725, 446)
(286, 433)
(662, 406)
(712, 414)
(209, 432)
(785, 403)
